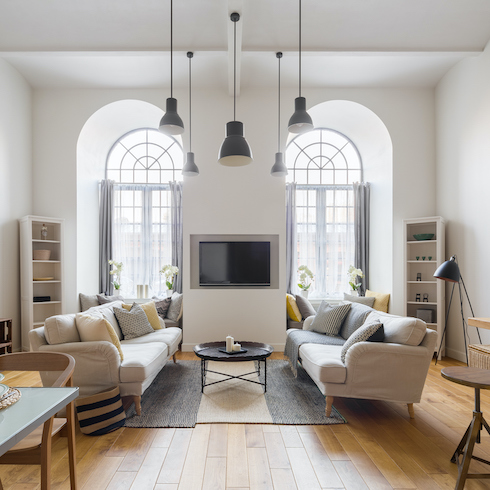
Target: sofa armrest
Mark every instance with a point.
(96, 364)
(37, 338)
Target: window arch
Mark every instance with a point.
(324, 164)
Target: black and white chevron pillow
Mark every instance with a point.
(329, 318)
(373, 332)
(133, 323)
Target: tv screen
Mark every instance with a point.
(234, 264)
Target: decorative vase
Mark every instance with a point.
(170, 292)
(304, 293)
(354, 292)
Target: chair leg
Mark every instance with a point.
(328, 408)
(72, 459)
(137, 404)
(411, 411)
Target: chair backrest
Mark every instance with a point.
(41, 361)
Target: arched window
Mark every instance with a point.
(324, 164)
(143, 163)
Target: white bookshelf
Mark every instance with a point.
(40, 278)
(434, 252)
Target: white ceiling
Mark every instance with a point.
(346, 43)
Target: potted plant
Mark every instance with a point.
(353, 274)
(169, 271)
(117, 268)
(305, 279)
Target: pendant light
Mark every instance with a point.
(279, 168)
(190, 168)
(234, 151)
(300, 121)
(171, 123)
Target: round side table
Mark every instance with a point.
(479, 379)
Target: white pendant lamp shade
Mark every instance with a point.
(190, 168)
(235, 151)
(171, 123)
(300, 121)
(279, 168)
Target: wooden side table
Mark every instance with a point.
(479, 379)
(5, 335)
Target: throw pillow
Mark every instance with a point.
(305, 307)
(372, 332)
(87, 301)
(103, 299)
(174, 312)
(150, 311)
(292, 308)
(381, 300)
(354, 319)
(94, 328)
(133, 323)
(368, 301)
(162, 306)
(329, 318)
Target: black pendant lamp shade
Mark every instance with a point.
(300, 121)
(190, 169)
(171, 123)
(279, 169)
(448, 271)
(234, 151)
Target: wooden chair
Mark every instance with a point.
(36, 447)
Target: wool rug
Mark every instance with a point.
(174, 398)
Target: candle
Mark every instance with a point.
(146, 290)
(229, 344)
(237, 348)
(139, 290)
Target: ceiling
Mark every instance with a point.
(345, 43)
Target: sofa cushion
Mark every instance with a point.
(142, 361)
(175, 309)
(399, 329)
(355, 317)
(162, 306)
(170, 336)
(94, 327)
(364, 300)
(150, 311)
(87, 301)
(61, 329)
(329, 318)
(368, 332)
(108, 313)
(103, 299)
(133, 323)
(305, 307)
(292, 308)
(323, 363)
(170, 323)
(381, 300)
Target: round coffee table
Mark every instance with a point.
(215, 351)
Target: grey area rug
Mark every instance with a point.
(174, 398)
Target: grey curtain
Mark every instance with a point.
(361, 230)
(106, 209)
(291, 264)
(177, 232)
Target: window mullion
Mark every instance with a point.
(321, 240)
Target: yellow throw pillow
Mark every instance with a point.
(293, 310)
(151, 313)
(94, 328)
(381, 300)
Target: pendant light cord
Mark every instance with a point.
(300, 48)
(171, 49)
(234, 71)
(189, 55)
(279, 56)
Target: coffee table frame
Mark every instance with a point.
(256, 351)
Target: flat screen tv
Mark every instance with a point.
(234, 263)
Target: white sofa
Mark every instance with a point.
(392, 370)
(98, 364)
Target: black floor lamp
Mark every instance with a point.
(449, 271)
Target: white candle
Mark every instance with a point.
(237, 348)
(139, 290)
(146, 290)
(229, 344)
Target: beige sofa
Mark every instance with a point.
(392, 370)
(98, 364)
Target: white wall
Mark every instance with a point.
(463, 172)
(244, 200)
(15, 186)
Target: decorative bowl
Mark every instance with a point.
(424, 236)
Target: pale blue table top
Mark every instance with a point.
(35, 406)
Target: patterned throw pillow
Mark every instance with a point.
(329, 318)
(162, 306)
(150, 312)
(133, 323)
(372, 332)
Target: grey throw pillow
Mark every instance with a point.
(133, 323)
(305, 307)
(88, 301)
(354, 319)
(103, 299)
(372, 332)
(363, 300)
(329, 318)
(162, 307)
(175, 309)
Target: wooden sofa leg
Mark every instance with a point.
(174, 358)
(328, 408)
(411, 411)
(137, 404)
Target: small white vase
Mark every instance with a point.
(169, 292)
(304, 293)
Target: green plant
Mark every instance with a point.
(305, 277)
(117, 268)
(353, 274)
(169, 271)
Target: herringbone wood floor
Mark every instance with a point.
(379, 448)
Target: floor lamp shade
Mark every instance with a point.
(235, 151)
(171, 123)
(190, 169)
(448, 271)
(300, 121)
(279, 168)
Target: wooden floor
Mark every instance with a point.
(379, 448)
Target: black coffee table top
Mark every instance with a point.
(256, 351)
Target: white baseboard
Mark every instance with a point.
(456, 354)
